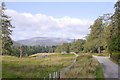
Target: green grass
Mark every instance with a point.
(99, 73)
(115, 57)
(85, 67)
(33, 67)
(101, 54)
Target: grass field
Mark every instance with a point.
(32, 67)
(85, 67)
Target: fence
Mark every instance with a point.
(61, 74)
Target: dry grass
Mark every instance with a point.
(41, 54)
(33, 67)
(101, 54)
(85, 67)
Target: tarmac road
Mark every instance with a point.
(110, 69)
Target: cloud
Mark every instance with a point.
(28, 25)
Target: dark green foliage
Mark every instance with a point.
(113, 41)
(115, 56)
(75, 46)
(6, 32)
(29, 50)
(59, 49)
(66, 47)
(15, 51)
(114, 30)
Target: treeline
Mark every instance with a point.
(29, 50)
(76, 46)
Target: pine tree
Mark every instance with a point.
(114, 30)
(0, 31)
(6, 32)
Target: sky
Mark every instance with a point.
(55, 19)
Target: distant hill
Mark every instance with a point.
(43, 41)
(16, 44)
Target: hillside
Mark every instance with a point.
(43, 41)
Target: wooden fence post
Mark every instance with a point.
(56, 75)
(44, 78)
(50, 76)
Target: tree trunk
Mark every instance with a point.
(99, 50)
(20, 52)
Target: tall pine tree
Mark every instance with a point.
(6, 32)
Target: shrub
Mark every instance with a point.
(115, 56)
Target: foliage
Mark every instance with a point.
(115, 56)
(113, 42)
(114, 30)
(29, 50)
(94, 41)
(6, 32)
(75, 46)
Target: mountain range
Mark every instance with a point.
(42, 41)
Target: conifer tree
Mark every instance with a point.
(6, 32)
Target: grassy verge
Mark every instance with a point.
(33, 67)
(99, 73)
(115, 57)
(101, 54)
(85, 67)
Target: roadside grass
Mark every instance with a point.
(99, 73)
(32, 67)
(101, 54)
(85, 67)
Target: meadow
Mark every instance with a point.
(33, 66)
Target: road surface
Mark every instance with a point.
(110, 69)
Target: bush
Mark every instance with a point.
(115, 56)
